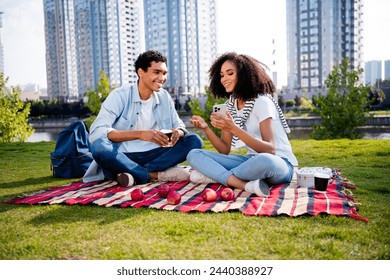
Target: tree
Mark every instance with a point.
(290, 103)
(205, 113)
(13, 114)
(345, 107)
(55, 109)
(377, 96)
(97, 96)
(305, 102)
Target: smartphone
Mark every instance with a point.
(220, 109)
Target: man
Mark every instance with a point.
(126, 141)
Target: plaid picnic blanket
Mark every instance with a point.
(285, 199)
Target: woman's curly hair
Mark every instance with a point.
(252, 78)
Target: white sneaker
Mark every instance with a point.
(197, 177)
(174, 174)
(258, 187)
(125, 179)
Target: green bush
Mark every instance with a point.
(305, 103)
(97, 96)
(290, 103)
(345, 107)
(13, 114)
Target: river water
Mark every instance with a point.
(382, 133)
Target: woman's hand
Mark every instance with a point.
(198, 122)
(223, 122)
(222, 144)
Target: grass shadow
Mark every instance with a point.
(73, 214)
(32, 181)
(42, 183)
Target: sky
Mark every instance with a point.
(244, 26)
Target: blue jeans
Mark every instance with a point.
(219, 167)
(112, 161)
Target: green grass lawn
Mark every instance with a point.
(92, 232)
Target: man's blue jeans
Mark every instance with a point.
(112, 161)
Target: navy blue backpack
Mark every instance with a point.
(71, 157)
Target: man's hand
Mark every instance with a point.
(176, 134)
(155, 136)
(160, 138)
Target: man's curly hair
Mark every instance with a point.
(252, 78)
(145, 59)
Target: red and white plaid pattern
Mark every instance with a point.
(285, 199)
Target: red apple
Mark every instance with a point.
(173, 198)
(227, 194)
(209, 195)
(163, 190)
(137, 195)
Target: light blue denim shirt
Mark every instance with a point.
(122, 106)
(120, 111)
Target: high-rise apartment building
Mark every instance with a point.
(1, 47)
(372, 72)
(84, 37)
(185, 31)
(320, 34)
(61, 55)
(387, 70)
(109, 37)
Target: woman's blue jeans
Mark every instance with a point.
(112, 161)
(219, 167)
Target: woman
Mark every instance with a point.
(253, 121)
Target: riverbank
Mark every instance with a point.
(376, 128)
(377, 121)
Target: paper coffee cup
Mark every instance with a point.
(167, 132)
(321, 181)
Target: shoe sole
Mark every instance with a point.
(123, 180)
